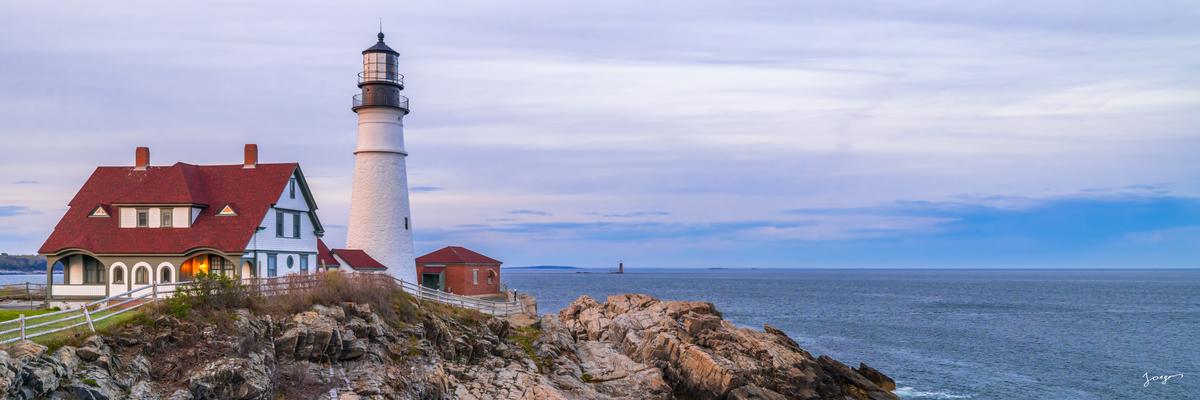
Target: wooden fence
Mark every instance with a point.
(26, 327)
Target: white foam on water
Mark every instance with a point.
(910, 393)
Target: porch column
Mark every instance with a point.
(50, 261)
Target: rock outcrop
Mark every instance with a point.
(700, 355)
(632, 347)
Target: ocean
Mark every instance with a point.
(950, 334)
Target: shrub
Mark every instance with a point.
(334, 288)
(210, 292)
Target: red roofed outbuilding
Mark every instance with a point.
(357, 260)
(459, 270)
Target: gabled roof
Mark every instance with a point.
(358, 259)
(324, 256)
(456, 254)
(250, 191)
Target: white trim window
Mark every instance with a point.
(475, 277)
(165, 218)
(143, 218)
(281, 227)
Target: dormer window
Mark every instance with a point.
(226, 211)
(99, 212)
(143, 218)
(165, 218)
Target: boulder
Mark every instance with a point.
(883, 381)
(233, 378)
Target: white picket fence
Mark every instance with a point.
(26, 327)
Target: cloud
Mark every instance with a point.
(8, 211)
(26, 182)
(708, 112)
(530, 212)
(632, 214)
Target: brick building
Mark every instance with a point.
(459, 270)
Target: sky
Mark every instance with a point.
(938, 134)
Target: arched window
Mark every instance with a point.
(141, 276)
(491, 275)
(164, 275)
(118, 274)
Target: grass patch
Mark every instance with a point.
(7, 315)
(524, 338)
(465, 316)
(76, 336)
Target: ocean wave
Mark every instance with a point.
(910, 393)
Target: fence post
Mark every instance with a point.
(29, 295)
(88, 315)
(22, 326)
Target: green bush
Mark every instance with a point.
(211, 291)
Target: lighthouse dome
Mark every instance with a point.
(380, 47)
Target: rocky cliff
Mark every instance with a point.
(632, 347)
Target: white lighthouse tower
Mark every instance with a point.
(380, 221)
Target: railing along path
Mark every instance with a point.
(26, 327)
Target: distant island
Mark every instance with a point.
(22, 264)
(545, 268)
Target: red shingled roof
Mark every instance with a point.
(250, 191)
(324, 256)
(456, 254)
(358, 259)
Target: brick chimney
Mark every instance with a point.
(251, 156)
(141, 159)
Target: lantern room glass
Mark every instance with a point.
(380, 67)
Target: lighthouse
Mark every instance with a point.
(380, 220)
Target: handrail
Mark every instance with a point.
(381, 76)
(380, 99)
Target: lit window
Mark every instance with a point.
(166, 218)
(143, 218)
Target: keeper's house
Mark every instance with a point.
(130, 227)
(459, 270)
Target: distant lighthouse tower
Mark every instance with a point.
(380, 221)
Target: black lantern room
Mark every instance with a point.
(380, 80)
